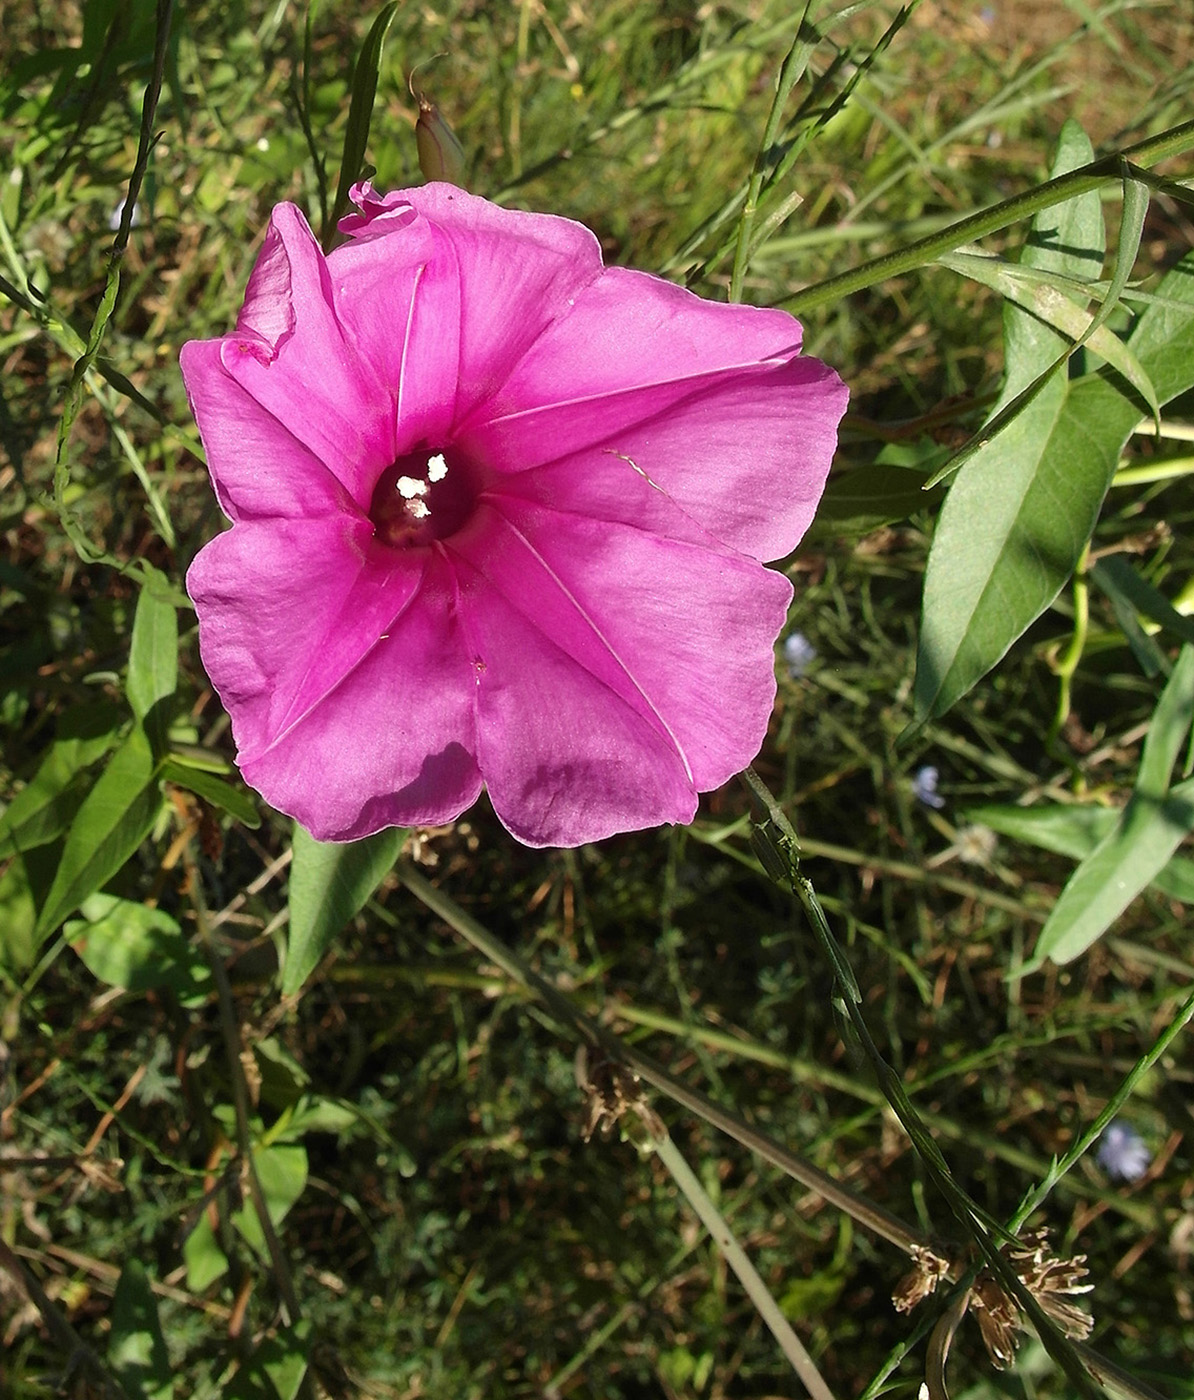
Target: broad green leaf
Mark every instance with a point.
(1022, 509)
(235, 800)
(18, 912)
(1145, 836)
(136, 1347)
(1123, 864)
(1075, 831)
(282, 1171)
(282, 1359)
(360, 114)
(202, 1255)
(43, 809)
(127, 944)
(329, 884)
(107, 829)
(153, 661)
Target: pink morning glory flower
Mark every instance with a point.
(498, 518)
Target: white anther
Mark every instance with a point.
(419, 509)
(437, 468)
(410, 486)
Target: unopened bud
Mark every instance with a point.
(441, 156)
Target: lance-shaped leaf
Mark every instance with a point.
(153, 660)
(1075, 831)
(1022, 509)
(329, 884)
(1141, 843)
(109, 826)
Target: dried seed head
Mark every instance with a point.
(928, 1269)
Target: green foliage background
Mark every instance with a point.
(411, 1112)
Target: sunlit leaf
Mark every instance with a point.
(153, 661)
(329, 884)
(113, 821)
(1075, 831)
(131, 945)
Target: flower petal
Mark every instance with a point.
(350, 691)
(597, 707)
(630, 329)
(400, 305)
(517, 273)
(312, 378)
(259, 468)
(714, 443)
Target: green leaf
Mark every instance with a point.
(18, 912)
(1168, 728)
(1022, 509)
(153, 661)
(43, 809)
(1140, 844)
(1115, 576)
(868, 497)
(1123, 864)
(127, 944)
(329, 884)
(136, 1347)
(1057, 310)
(282, 1358)
(202, 1255)
(113, 821)
(1075, 832)
(237, 801)
(360, 114)
(282, 1171)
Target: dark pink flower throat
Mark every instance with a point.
(426, 495)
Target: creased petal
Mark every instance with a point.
(745, 452)
(517, 274)
(606, 708)
(316, 381)
(258, 467)
(287, 608)
(629, 329)
(400, 305)
(349, 688)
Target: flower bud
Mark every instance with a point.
(441, 156)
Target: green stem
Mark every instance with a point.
(230, 1029)
(590, 1033)
(779, 848)
(1067, 666)
(1104, 171)
(790, 73)
(766, 1306)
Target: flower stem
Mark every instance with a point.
(778, 848)
(711, 1218)
(596, 1036)
(999, 216)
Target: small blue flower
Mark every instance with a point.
(1122, 1152)
(924, 787)
(799, 652)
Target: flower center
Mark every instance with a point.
(424, 496)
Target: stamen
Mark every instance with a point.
(410, 486)
(437, 468)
